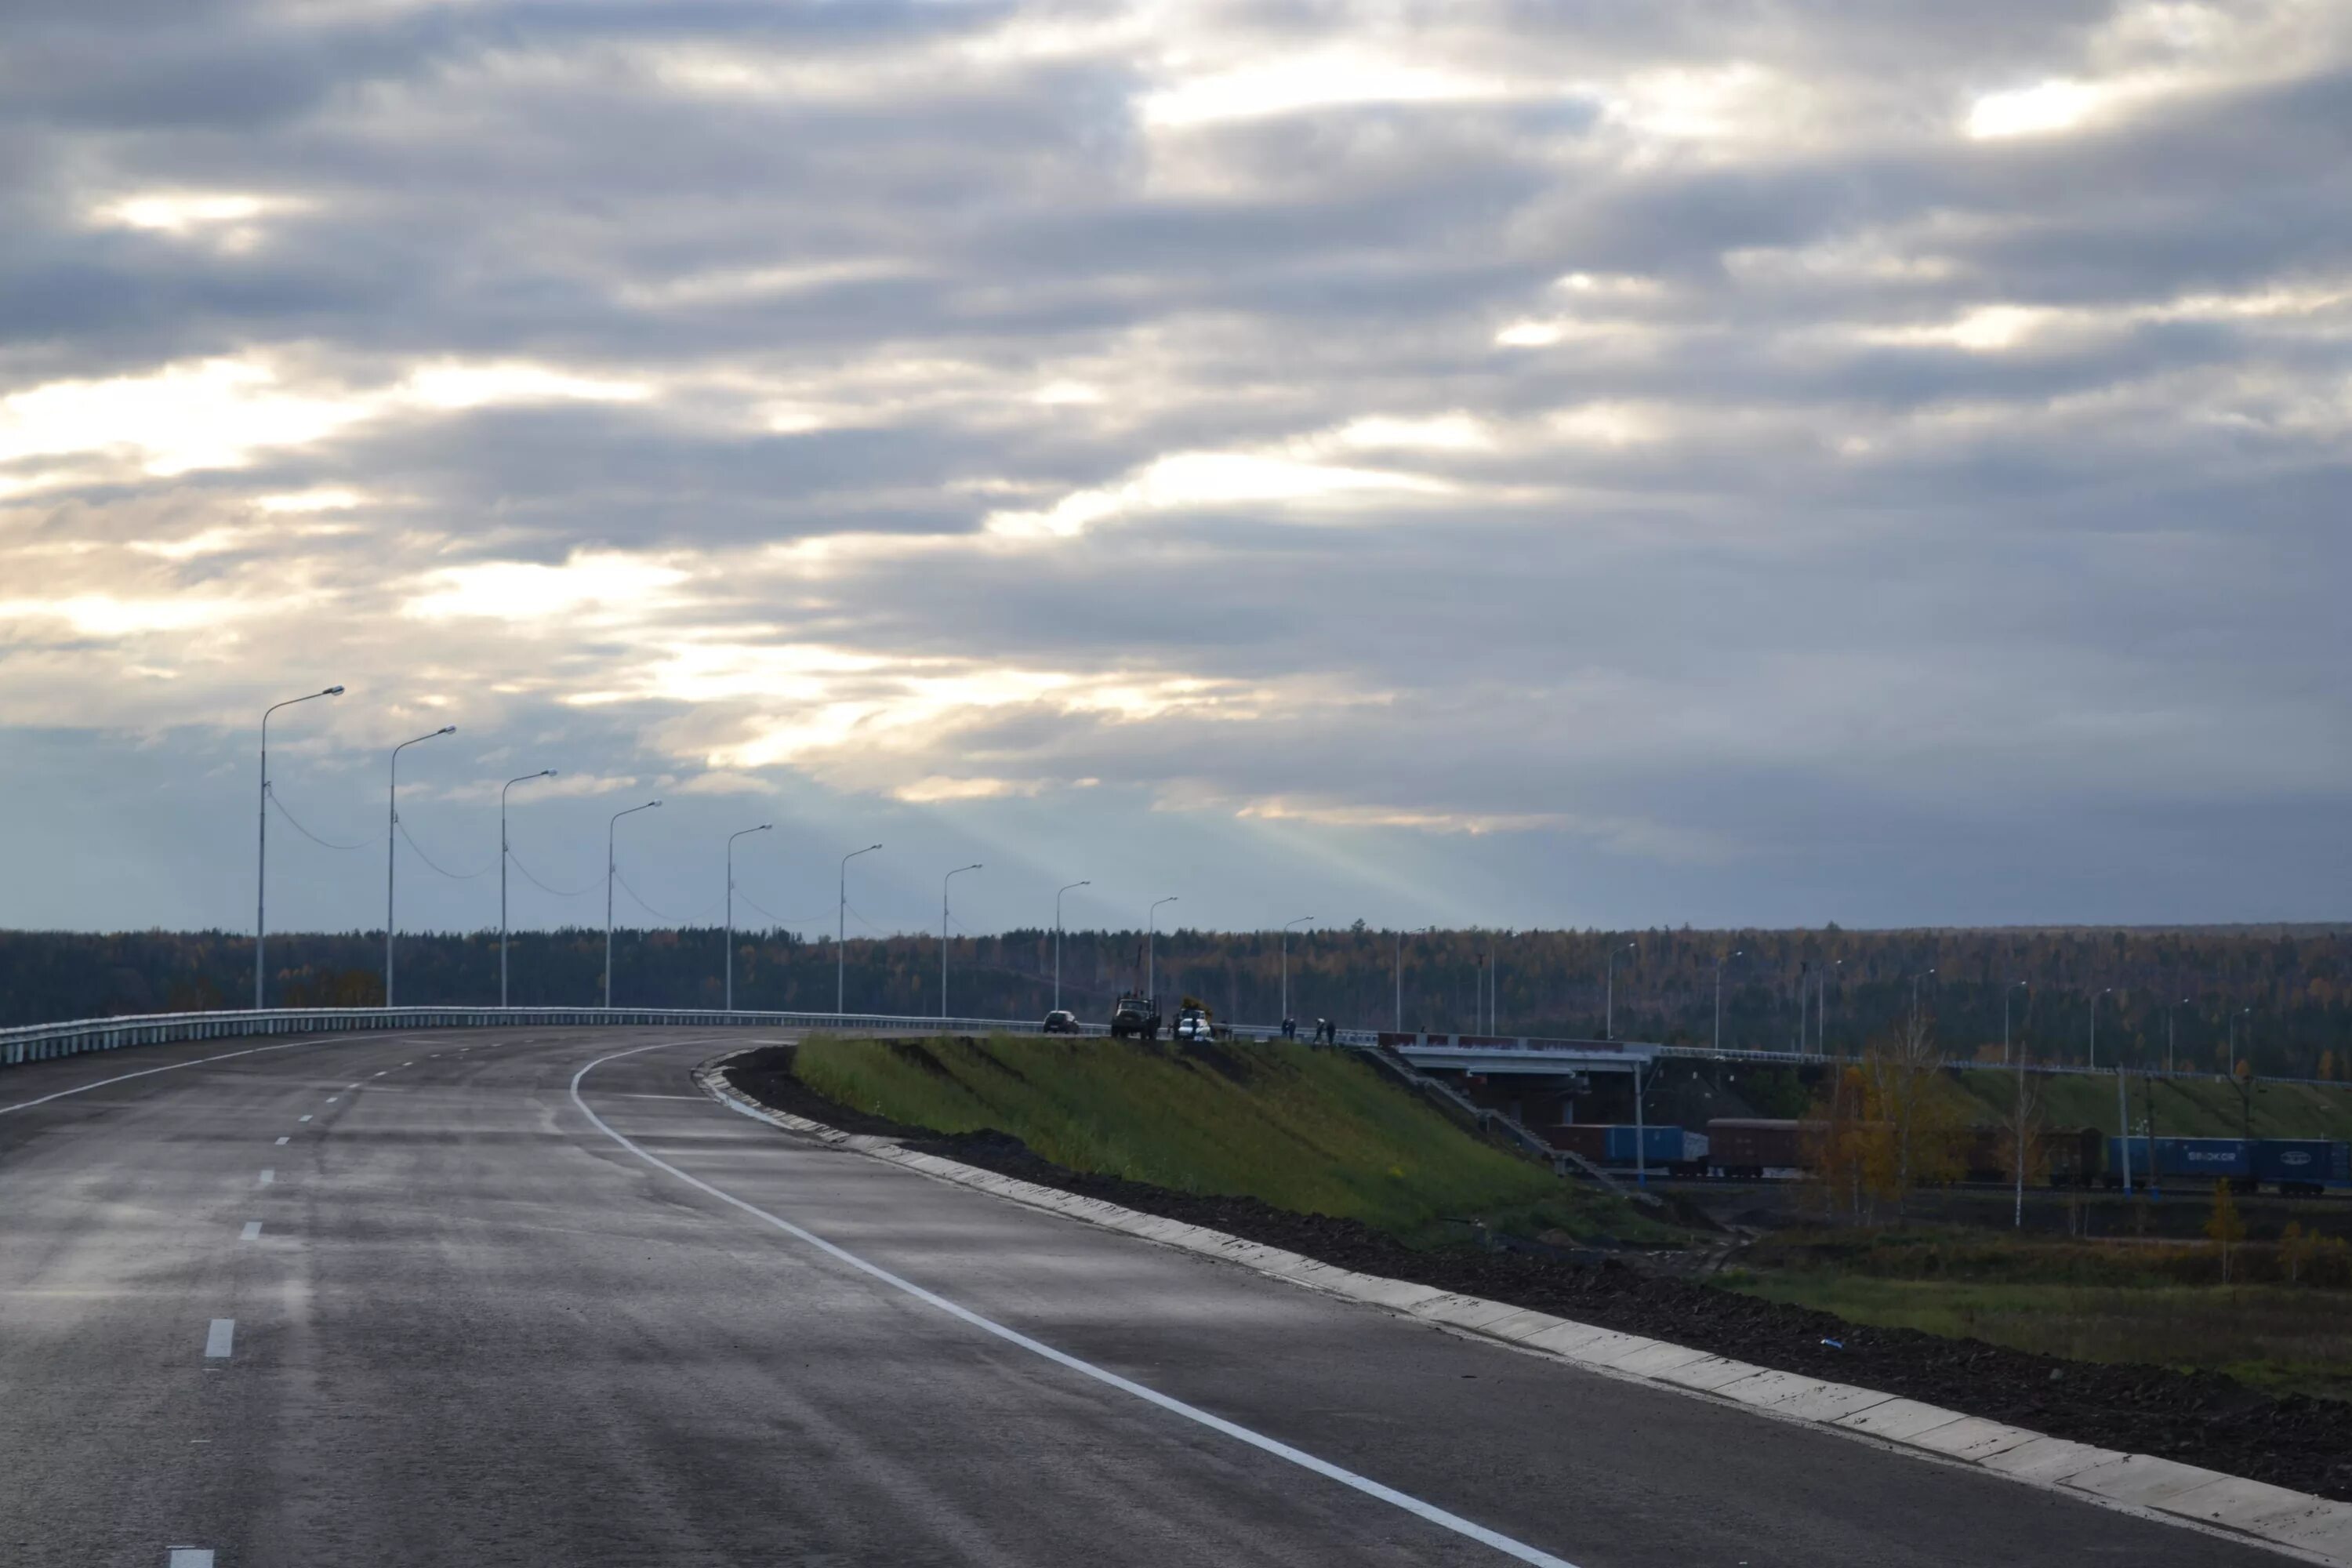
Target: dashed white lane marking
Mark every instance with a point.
(281, 1142)
(408, 1064)
(1299, 1457)
(306, 1119)
(189, 1557)
(222, 1335)
(379, 1074)
(252, 1231)
(333, 1098)
(350, 1085)
(268, 1174)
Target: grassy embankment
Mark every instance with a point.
(2140, 1305)
(1312, 1132)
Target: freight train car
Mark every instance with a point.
(1751, 1146)
(2205, 1160)
(2306, 1165)
(2067, 1156)
(1669, 1150)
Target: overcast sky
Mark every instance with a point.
(1534, 464)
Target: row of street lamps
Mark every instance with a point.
(611, 864)
(391, 862)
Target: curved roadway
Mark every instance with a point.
(484, 1320)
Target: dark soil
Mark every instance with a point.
(2202, 1418)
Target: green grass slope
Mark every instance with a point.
(1313, 1131)
(2185, 1107)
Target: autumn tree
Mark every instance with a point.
(2224, 1224)
(1924, 1114)
(2020, 1130)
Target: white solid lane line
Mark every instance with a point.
(143, 1072)
(282, 1141)
(268, 1174)
(223, 1334)
(252, 1231)
(189, 1557)
(175, 1067)
(1299, 1457)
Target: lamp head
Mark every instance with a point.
(332, 691)
(446, 729)
(547, 773)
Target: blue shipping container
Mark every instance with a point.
(2209, 1157)
(1660, 1146)
(2303, 1162)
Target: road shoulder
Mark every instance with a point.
(2313, 1529)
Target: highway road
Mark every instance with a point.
(528, 1297)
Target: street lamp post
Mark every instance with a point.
(542, 773)
(261, 852)
(611, 867)
(841, 933)
(2241, 1013)
(1421, 931)
(1058, 942)
(2171, 1017)
(731, 906)
(943, 934)
(392, 849)
(1721, 959)
(1285, 962)
(1152, 952)
(1821, 1007)
(1609, 996)
(2017, 1219)
(1915, 996)
(2094, 1026)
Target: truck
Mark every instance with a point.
(1135, 1016)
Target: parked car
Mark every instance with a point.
(1194, 1024)
(1061, 1021)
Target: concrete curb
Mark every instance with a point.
(2311, 1527)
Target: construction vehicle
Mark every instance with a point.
(1135, 1016)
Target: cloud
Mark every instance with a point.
(1601, 463)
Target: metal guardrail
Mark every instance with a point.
(42, 1042)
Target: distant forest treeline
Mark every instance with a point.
(2290, 992)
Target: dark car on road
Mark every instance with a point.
(1060, 1021)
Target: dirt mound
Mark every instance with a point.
(2200, 1418)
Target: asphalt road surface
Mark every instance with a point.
(409, 1300)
